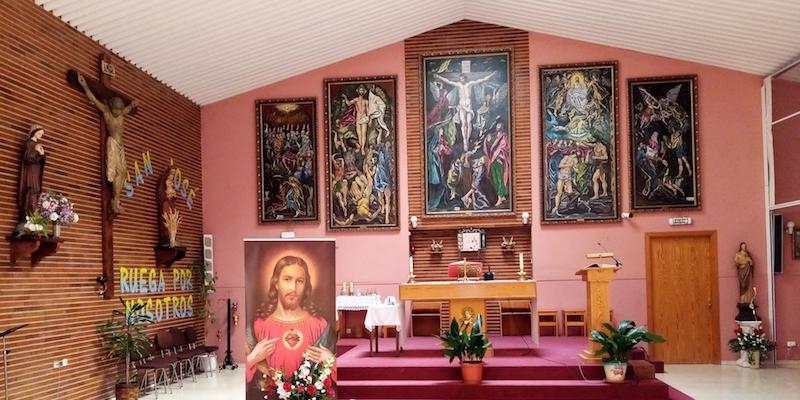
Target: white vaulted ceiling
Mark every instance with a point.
(209, 50)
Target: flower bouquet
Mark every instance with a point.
(751, 343)
(310, 381)
(35, 226)
(57, 209)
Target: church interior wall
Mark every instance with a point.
(731, 184)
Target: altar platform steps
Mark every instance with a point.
(516, 370)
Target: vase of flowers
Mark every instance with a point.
(58, 210)
(752, 345)
(310, 381)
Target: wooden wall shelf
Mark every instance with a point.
(34, 248)
(166, 256)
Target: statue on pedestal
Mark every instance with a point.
(31, 172)
(169, 218)
(744, 272)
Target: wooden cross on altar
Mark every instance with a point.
(114, 107)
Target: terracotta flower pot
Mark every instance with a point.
(126, 392)
(472, 372)
(615, 371)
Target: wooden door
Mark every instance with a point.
(682, 296)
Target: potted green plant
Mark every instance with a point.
(468, 346)
(124, 337)
(617, 343)
(207, 286)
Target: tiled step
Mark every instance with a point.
(502, 389)
(571, 372)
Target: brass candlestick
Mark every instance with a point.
(521, 275)
(411, 278)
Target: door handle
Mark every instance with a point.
(708, 305)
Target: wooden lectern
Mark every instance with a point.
(598, 310)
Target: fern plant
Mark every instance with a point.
(618, 342)
(123, 335)
(467, 347)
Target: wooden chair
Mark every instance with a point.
(548, 321)
(515, 317)
(574, 319)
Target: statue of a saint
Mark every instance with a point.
(165, 198)
(114, 116)
(744, 271)
(31, 171)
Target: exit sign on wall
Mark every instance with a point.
(680, 221)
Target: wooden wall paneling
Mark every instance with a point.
(58, 297)
(430, 266)
(470, 36)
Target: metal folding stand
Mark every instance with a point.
(5, 356)
(228, 355)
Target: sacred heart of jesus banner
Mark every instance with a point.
(290, 291)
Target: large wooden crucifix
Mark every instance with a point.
(114, 107)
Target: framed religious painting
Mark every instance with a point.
(467, 127)
(361, 149)
(290, 300)
(287, 164)
(663, 129)
(579, 143)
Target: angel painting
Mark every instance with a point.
(467, 133)
(362, 138)
(663, 143)
(579, 142)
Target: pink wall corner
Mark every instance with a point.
(371, 259)
(729, 106)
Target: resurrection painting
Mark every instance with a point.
(287, 166)
(579, 143)
(467, 125)
(663, 128)
(361, 130)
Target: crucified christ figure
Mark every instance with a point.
(114, 116)
(465, 112)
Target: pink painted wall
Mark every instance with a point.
(731, 171)
(374, 259)
(729, 106)
(786, 147)
(786, 293)
(785, 97)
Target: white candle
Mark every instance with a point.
(411, 265)
(520, 262)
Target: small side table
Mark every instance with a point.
(383, 315)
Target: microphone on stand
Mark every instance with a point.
(618, 262)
